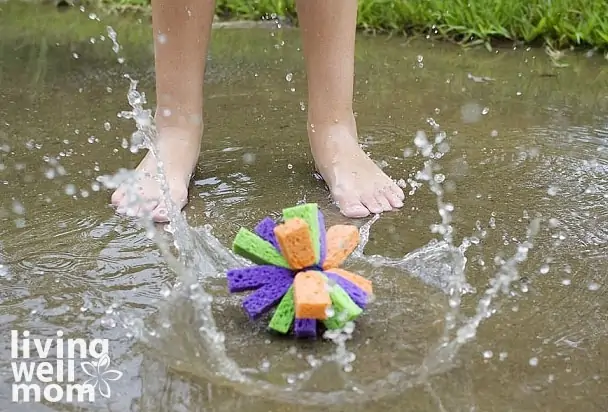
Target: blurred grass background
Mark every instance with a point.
(559, 23)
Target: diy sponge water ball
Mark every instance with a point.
(297, 270)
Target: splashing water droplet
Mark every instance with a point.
(265, 366)
(137, 141)
(70, 189)
(165, 292)
(471, 112)
(420, 140)
(18, 207)
(113, 36)
(248, 158)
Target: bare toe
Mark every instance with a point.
(160, 214)
(354, 210)
(117, 197)
(130, 211)
(383, 202)
(371, 203)
(350, 206)
(394, 195)
(397, 191)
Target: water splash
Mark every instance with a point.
(201, 257)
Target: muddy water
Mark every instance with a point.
(530, 141)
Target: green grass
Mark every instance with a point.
(560, 23)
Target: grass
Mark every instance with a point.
(41, 42)
(559, 23)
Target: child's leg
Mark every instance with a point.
(182, 29)
(356, 183)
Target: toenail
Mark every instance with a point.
(376, 209)
(162, 212)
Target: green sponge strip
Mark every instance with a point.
(284, 314)
(344, 308)
(252, 247)
(310, 214)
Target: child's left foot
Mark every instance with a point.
(357, 184)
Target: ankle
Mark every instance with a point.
(180, 132)
(179, 122)
(318, 118)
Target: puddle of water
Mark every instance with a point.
(523, 146)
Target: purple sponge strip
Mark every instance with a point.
(253, 277)
(265, 230)
(322, 239)
(267, 296)
(357, 294)
(305, 328)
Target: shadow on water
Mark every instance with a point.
(527, 140)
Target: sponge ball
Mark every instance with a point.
(297, 270)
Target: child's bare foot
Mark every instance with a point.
(179, 153)
(356, 183)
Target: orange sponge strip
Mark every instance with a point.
(341, 240)
(310, 295)
(296, 243)
(364, 284)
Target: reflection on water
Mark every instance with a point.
(522, 147)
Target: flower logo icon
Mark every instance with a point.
(100, 374)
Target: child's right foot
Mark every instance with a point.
(357, 184)
(179, 152)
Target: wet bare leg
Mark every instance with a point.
(356, 183)
(182, 29)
